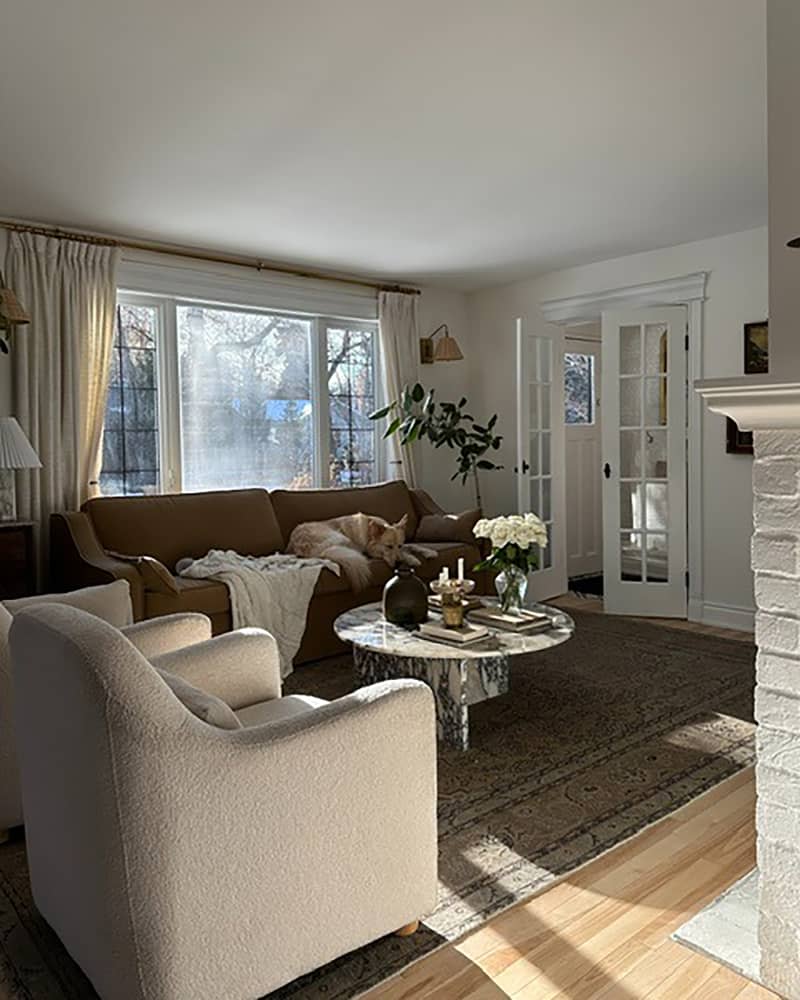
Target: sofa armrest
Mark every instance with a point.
(77, 559)
(158, 636)
(424, 504)
(241, 667)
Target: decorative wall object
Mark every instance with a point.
(756, 348)
(756, 362)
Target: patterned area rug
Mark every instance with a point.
(596, 740)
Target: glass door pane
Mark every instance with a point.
(540, 471)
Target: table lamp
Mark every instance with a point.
(16, 452)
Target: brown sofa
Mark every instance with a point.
(251, 522)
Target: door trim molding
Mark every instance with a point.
(687, 290)
(577, 309)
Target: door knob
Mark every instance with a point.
(525, 466)
(607, 470)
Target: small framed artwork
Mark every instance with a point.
(737, 442)
(756, 348)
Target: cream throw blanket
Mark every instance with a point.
(269, 592)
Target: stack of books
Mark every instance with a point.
(462, 636)
(522, 621)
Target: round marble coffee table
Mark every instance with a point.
(458, 676)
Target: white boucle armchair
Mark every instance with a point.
(178, 861)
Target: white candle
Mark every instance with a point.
(461, 569)
(445, 575)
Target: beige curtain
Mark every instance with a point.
(397, 313)
(61, 365)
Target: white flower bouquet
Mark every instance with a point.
(516, 540)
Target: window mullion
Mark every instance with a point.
(169, 399)
(321, 402)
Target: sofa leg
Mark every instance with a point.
(408, 930)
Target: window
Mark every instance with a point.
(249, 398)
(130, 438)
(578, 389)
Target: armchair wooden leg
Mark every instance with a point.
(408, 930)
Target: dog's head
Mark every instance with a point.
(384, 539)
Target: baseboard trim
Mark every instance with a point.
(726, 616)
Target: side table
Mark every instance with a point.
(17, 568)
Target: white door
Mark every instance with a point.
(540, 451)
(583, 462)
(644, 455)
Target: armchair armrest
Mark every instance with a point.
(241, 667)
(158, 636)
(78, 559)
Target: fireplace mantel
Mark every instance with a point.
(755, 403)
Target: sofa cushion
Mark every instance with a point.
(278, 708)
(205, 707)
(208, 596)
(448, 527)
(387, 500)
(175, 525)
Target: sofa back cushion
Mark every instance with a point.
(388, 500)
(175, 525)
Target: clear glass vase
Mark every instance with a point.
(511, 586)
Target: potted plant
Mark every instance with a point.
(417, 415)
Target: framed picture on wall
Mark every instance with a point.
(756, 362)
(756, 348)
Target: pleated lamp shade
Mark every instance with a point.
(12, 312)
(16, 451)
(447, 349)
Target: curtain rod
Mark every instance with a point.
(58, 232)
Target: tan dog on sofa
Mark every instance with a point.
(353, 540)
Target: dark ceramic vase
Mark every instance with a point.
(405, 598)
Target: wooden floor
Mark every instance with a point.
(603, 933)
(580, 603)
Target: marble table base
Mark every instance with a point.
(456, 684)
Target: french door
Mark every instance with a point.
(540, 451)
(644, 462)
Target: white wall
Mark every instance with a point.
(783, 71)
(737, 294)
(452, 380)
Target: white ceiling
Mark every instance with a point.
(463, 142)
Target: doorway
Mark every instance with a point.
(583, 448)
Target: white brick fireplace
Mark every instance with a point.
(768, 907)
(776, 563)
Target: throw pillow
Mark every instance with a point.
(448, 527)
(157, 578)
(206, 707)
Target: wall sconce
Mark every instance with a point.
(11, 314)
(446, 349)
